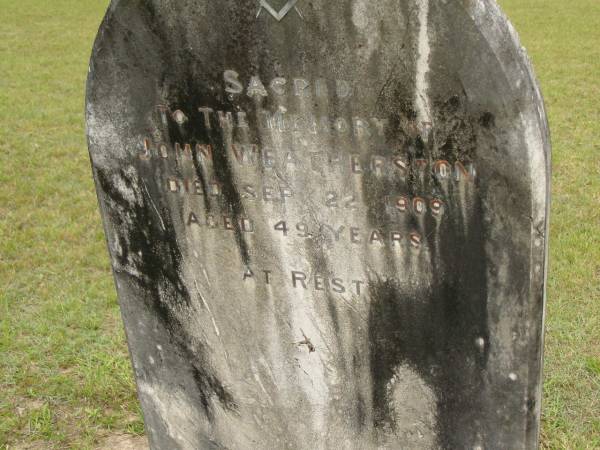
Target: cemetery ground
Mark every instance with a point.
(65, 376)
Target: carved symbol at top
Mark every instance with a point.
(291, 4)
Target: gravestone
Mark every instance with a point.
(327, 221)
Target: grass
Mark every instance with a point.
(65, 377)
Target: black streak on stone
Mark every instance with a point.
(487, 120)
(194, 132)
(189, 96)
(425, 329)
(160, 266)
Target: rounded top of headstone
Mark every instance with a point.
(457, 55)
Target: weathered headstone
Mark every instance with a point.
(327, 221)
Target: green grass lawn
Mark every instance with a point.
(65, 377)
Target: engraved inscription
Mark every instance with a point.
(278, 151)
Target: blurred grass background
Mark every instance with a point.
(65, 376)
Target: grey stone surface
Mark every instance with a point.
(327, 221)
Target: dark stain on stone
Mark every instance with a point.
(188, 93)
(454, 132)
(158, 263)
(424, 328)
(487, 120)
(433, 330)
(453, 103)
